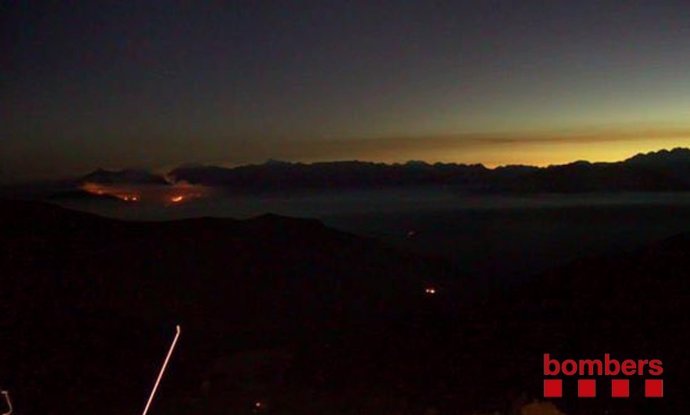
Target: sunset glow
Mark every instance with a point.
(439, 82)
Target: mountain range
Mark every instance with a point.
(665, 170)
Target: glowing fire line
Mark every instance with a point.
(165, 364)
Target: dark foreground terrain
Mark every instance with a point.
(307, 320)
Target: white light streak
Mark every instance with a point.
(160, 375)
(6, 394)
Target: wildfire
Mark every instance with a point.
(165, 195)
(123, 194)
(183, 195)
(93, 188)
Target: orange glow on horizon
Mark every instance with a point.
(494, 149)
(166, 195)
(101, 190)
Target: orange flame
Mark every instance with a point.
(166, 195)
(122, 194)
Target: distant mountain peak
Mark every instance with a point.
(673, 156)
(125, 176)
(275, 162)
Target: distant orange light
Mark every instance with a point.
(177, 199)
(430, 290)
(93, 188)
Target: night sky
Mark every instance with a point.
(89, 84)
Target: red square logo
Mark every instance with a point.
(586, 388)
(654, 388)
(620, 388)
(553, 388)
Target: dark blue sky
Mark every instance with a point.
(118, 84)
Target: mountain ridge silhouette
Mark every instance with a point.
(664, 170)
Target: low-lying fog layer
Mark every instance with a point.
(492, 236)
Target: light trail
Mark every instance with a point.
(160, 375)
(6, 394)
